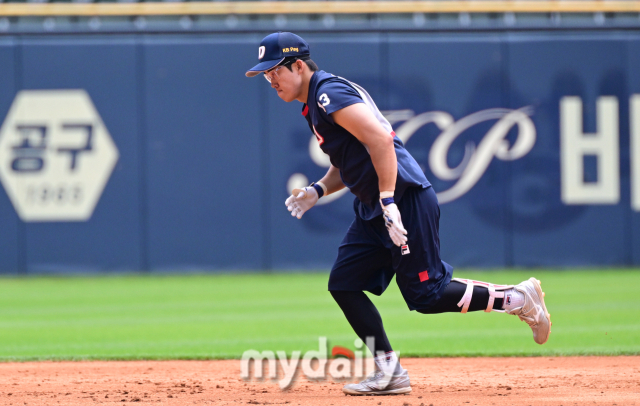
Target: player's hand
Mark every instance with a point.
(301, 200)
(393, 221)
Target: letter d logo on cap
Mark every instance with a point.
(261, 52)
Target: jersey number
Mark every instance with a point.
(324, 99)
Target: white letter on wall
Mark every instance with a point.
(635, 151)
(604, 144)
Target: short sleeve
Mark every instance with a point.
(334, 95)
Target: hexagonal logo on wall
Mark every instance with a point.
(56, 155)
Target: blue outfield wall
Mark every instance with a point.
(206, 156)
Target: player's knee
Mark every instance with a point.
(347, 298)
(429, 311)
(340, 295)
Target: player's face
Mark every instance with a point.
(286, 82)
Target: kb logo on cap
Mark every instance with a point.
(261, 52)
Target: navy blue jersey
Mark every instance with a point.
(329, 93)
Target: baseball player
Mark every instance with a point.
(395, 229)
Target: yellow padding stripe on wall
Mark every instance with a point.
(313, 7)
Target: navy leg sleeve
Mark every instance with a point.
(363, 317)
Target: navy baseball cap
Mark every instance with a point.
(274, 48)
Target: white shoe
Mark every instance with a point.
(534, 311)
(376, 384)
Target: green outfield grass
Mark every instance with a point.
(221, 316)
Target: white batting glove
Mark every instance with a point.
(301, 200)
(393, 221)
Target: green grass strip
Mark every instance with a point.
(129, 317)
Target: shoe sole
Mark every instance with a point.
(399, 391)
(538, 286)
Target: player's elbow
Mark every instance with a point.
(385, 141)
(382, 149)
(375, 138)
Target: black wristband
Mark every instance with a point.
(318, 189)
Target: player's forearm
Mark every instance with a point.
(332, 180)
(383, 156)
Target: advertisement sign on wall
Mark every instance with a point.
(56, 155)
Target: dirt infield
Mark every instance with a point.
(436, 381)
